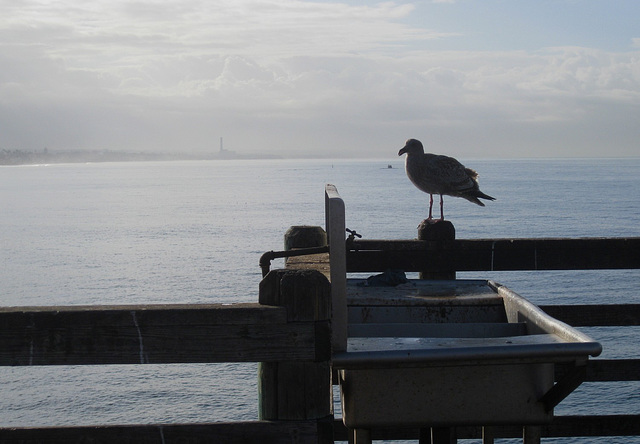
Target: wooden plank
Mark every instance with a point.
(318, 262)
(495, 254)
(258, 432)
(562, 426)
(601, 370)
(155, 334)
(598, 425)
(617, 315)
(550, 254)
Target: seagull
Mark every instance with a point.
(436, 174)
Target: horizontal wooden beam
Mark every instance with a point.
(596, 315)
(157, 334)
(494, 254)
(310, 431)
(562, 426)
(600, 370)
(606, 370)
(258, 432)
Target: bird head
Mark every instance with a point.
(412, 146)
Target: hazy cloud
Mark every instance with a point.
(289, 76)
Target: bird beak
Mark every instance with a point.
(402, 151)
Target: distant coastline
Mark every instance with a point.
(43, 157)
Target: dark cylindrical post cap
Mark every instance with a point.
(304, 236)
(438, 231)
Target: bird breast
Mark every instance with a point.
(419, 173)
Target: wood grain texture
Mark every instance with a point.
(495, 254)
(251, 432)
(154, 334)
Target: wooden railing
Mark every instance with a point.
(288, 333)
(450, 255)
(493, 254)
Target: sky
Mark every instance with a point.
(353, 79)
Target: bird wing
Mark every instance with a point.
(472, 173)
(453, 175)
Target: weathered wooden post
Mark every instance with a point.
(299, 390)
(488, 435)
(335, 226)
(440, 232)
(440, 435)
(531, 434)
(304, 236)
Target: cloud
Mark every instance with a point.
(279, 75)
(272, 29)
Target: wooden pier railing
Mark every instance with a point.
(493, 254)
(291, 333)
(288, 333)
(448, 256)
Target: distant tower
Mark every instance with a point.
(225, 154)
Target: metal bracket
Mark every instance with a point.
(565, 385)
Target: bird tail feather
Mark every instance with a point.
(474, 198)
(484, 196)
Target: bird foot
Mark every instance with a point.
(431, 220)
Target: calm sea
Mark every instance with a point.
(193, 231)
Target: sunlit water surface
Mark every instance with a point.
(192, 232)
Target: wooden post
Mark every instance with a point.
(335, 226)
(440, 231)
(531, 435)
(298, 390)
(488, 435)
(438, 435)
(304, 236)
(362, 436)
(443, 435)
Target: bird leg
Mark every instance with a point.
(441, 208)
(430, 206)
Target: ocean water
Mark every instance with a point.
(193, 232)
